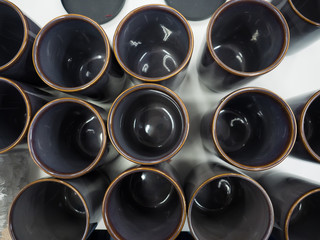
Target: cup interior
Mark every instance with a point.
(303, 220)
(308, 8)
(66, 137)
(70, 52)
(144, 203)
(47, 209)
(248, 36)
(12, 33)
(148, 125)
(153, 42)
(230, 208)
(254, 129)
(14, 114)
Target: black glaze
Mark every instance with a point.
(251, 128)
(101, 11)
(154, 43)
(72, 54)
(296, 205)
(303, 20)
(56, 209)
(145, 203)
(148, 124)
(68, 138)
(195, 10)
(224, 204)
(16, 39)
(245, 39)
(18, 104)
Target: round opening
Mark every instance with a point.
(148, 125)
(71, 52)
(12, 33)
(143, 203)
(253, 129)
(230, 208)
(308, 8)
(14, 112)
(248, 36)
(66, 137)
(46, 209)
(153, 42)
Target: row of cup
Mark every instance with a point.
(149, 203)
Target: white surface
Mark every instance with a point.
(297, 74)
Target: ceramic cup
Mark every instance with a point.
(251, 128)
(145, 203)
(303, 17)
(225, 204)
(72, 54)
(58, 209)
(18, 104)
(245, 39)
(306, 108)
(16, 39)
(296, 205)
(68, 138)
(154, 43)
(148, 124)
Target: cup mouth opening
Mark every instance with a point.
(154, 160)
(25, 34)
(38, 41)
(50, 170)
(28, 113)
(303, 17)
(285, 107)
(49, 180)
(163, 8)
(108, 223)
(277, 14)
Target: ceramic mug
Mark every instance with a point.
(68, 138)
(72, 54)
(245, 39)
(225, 204)
(251, 128)
(154, 44)
(145, 203)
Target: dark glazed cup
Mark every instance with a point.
(251, 128)
(154, 43)
(303, 17)
(224, 204)
(296, 205)
(16, 39)
(72, 54)
(18, 104)
(56, 209)
(148, 124)
(145, 203)
(306, 108)
(68, 138)
(245, 39)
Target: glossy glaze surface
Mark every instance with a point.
(148, 123)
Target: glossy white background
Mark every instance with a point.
(297, 74)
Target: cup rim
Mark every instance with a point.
(276, 62)
(301, 126)
(53, 23)
(231, 174)
(161, 7)
(23, 46)
(113, 232)
(43, 180)
(278, 99)
(293, 206)
(45, 167)
(304, 18)
(28, 112)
